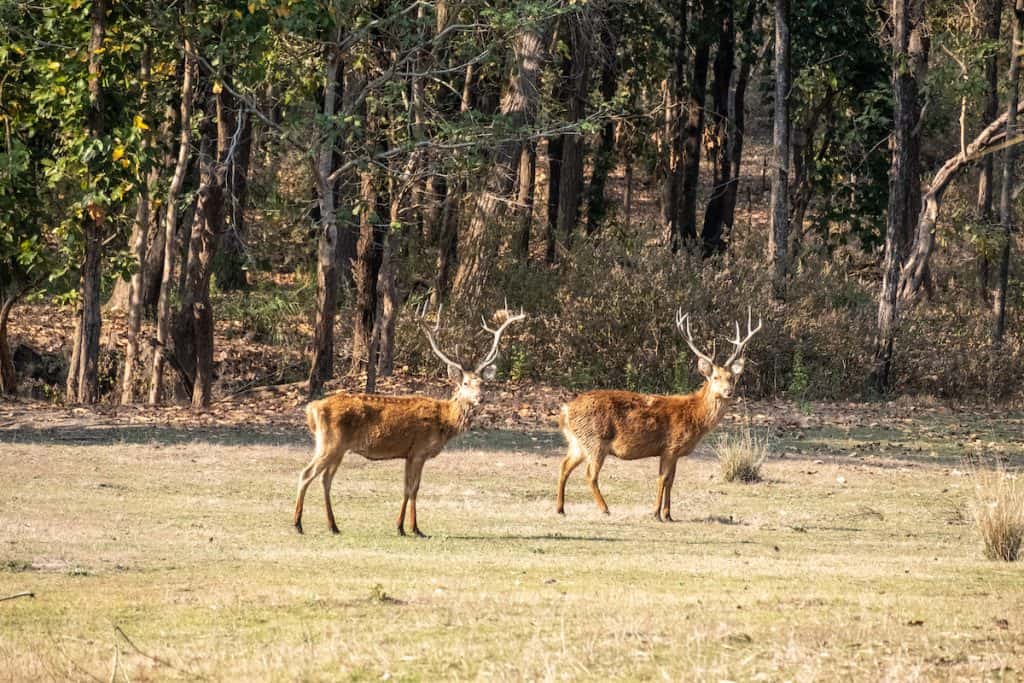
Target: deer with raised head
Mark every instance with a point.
(631, 426)
(410, 428)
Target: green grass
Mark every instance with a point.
(184, 547)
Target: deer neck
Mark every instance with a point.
(459, 413)
(710, 408)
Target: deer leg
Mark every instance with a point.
(311, 472)
(417, 472)
(662, 467)
(593, 470)
(572, 460)
(326, 479)
(400, 523)
(670, 477)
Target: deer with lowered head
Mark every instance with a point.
(410, 428)
(631, 426)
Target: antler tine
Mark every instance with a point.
(682, 318)
(493, 352)
(430, 337)
(751, 331)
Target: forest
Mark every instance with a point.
(316, 171)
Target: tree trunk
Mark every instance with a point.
(554, 188)
(527, 181)
(518, 106)
(604, 157)
(778, 235)
(991, 24)
(163, 316)
(85, 387)
(675, 134)
(369, 255)
(236, 125)
(447, 242)
(140, 238)
(577, 87)
(900, 181)
(321, 366)
(8, 375)
(1006, 212)
(719, 146)
(692, 143)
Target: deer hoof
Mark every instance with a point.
(298, 527)
(419, 533)
(401, 531)
(335, 530)
(657, 517)
(560, 511)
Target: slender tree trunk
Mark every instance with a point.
(693, 137)
(675, 133)
(578, 86)
(518, 105)
(554, 189)
(321, 367)
(527, 178)
(163, 316)
(1006, 212)
(236, 125)
(140, 238)
(778, 236)
(719, 147)
(991, 21)
(369, 255)
(85, 387)
(8, 375)
(604, 157)
(900, 181)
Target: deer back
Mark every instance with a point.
(381, 427)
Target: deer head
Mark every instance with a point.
(468, 381)
(721, 379)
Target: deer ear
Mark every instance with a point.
(705, 368)
(489, 372)
(454, 373)
(737, 366)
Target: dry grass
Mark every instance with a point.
(999, 513)
(162, 554)
(741, 454)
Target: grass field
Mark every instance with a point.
(159, 554)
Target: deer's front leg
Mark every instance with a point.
(400, 522)
(416, 467)
(669, 477)
(664, 489)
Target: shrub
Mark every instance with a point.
(741, 455)
(999, 513)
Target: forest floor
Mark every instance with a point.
(160, 547)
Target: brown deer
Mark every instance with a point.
(633, 426)
(410, 428)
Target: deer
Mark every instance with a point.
(631, 426)
(410, 428)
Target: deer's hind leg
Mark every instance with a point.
(413, 473)
(318, 466)
(573, 457)
(593, 471)
(326, 478)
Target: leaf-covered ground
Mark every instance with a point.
(159, 546)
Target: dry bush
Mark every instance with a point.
(740, 455)
(999, 512)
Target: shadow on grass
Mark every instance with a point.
(108, 435)
(536, 537)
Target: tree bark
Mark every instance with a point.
(693, 135)
(163, 316)
(369, 255)
(991, 21)
(527, 181)
(140, 238)
(901, 177)
(604, 157)
(719, 146)
(675, 135)
(234, 123)
(571, 181)
(1006, 212)
(321, 366)
(519, 106)
(84, 388)
(778, 235)
(554, 189)
(8, 375)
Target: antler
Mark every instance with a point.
(751, 331)
(493, 352)
(682, 318)
(430, 337)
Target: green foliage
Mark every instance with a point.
(799, 376)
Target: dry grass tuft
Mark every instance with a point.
(999, 513)
(740, 455)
